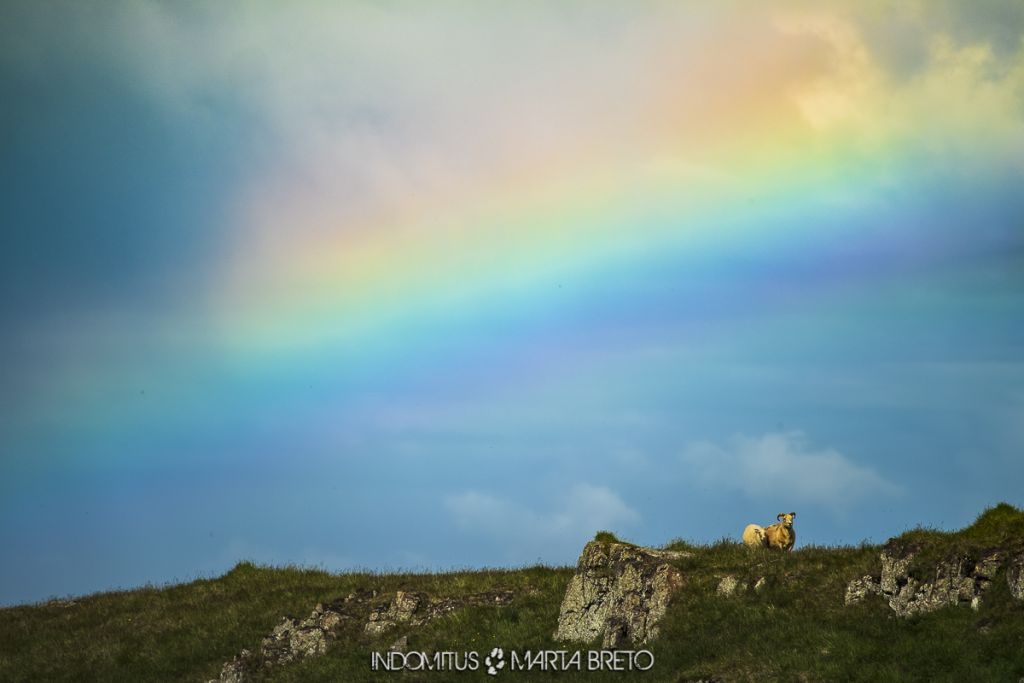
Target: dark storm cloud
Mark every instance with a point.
(108, 195)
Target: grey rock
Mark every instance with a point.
(858, 589)
(399, 611)
(1015, 577)
(293, 639)
(988, 566)
(894, 569)
(616, 634)
(952, 582)
(618, 593)
(729, 586)
(237, 670)
(416, 609)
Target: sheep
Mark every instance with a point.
(753, 536)
(780, 535)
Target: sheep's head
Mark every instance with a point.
(786, 518)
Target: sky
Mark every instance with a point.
(398, 285)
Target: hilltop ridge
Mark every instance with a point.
(926, 605)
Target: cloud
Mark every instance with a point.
(524, 531)
(994, 22)
(363, 117)
(782, 466)
(955, 95)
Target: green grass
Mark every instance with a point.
(999, 527)
(794, 629)
(797, 627)
(186, 632)
(606, 537)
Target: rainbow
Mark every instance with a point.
(744, 195)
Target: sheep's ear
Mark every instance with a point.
(780, 515)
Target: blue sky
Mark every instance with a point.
(366, 286)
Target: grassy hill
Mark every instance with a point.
(795, 628)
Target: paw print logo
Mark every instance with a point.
(495, 661)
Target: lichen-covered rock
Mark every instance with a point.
(237, 670)
(294, 639)
(729, 586)
(399, 611)
(1015, 577)
(987, 567)
(619, 593)
(894, 571)
(858, 589)
(950, 586)
(952, 582)
(416, 609)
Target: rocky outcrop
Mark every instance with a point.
(859, 589)
(618, 593)
(955, 581)
(1015, 576)
(416, 609)
(401, 610)
(294, 639)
